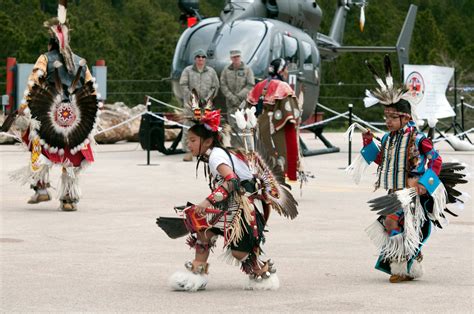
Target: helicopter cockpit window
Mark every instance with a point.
(232, 37)
(199, 39)
(307, 55)
(291, 52)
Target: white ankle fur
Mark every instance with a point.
(270, 283)
(187, 281)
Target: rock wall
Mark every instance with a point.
(113, 114)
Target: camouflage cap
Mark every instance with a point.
(235, 53)
(199, 52)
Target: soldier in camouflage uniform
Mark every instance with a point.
(236, 81)
(204, 80)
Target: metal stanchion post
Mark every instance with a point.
(455, 103)
(350, 138)
(462, 116)
(431, 133)
(148, 131)
(147, 127)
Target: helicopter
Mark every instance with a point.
(268, 29)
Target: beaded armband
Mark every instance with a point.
(221, 193)
(218, 195)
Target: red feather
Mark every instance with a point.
(212, 120)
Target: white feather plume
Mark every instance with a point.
(240, 119)
(389, 81)
(370, 99)
(62, 13)
(251, 117)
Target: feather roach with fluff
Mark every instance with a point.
(376, 75)
(388, 72)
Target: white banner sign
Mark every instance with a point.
(427, 85)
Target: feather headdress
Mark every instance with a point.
(199, 107)
(59, 30)
(203, 113)
(387, 93)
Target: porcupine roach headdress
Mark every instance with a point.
(199, 107)
(203, 112)
(387, 93)
(59, 31)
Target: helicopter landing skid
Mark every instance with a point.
(318, 133)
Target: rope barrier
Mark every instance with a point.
(466, 105)
(377, 123)
(356, 118)
(167, 120)
(121, 123)
(149, 113)
(164, 104)
(328, 109)
(324, 121)
(139, 115)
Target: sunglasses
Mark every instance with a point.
(394, 116)
(202, 57)
(391, 116)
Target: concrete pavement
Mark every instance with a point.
(111, 257)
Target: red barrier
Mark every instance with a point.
(10, 87)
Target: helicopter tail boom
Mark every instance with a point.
(402, 47)
(336, 33)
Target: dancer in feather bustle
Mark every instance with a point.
(244, 187)
(279, 116)
(419, 184)
(62, 105)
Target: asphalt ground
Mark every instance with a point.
(110, 256)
